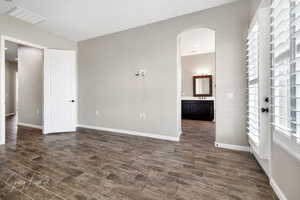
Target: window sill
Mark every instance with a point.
(254, 140)
(287, 143)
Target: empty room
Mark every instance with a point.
(150, 100)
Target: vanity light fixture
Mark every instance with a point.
(203, 72)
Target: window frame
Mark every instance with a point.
(288, 137)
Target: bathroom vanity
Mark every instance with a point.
(201, 105)
(197, 109)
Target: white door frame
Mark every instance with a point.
(2, 79)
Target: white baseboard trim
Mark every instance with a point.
(30, 125)
(232, 147)
(180, 133)
(9, 114)
(277, 190)
(128, 132)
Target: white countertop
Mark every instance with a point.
(199, 98)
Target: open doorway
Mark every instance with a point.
(23, 89)
(55, 109)
(197, 85)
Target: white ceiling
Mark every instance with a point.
(12, 51)
(83, 19)
(198, 41)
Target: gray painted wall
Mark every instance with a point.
(30, 85)
(10, 87)
(254, 4)
(286, 172)
(107, 65)
(193, 64)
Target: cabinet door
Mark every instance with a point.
(185, 109)
(203, 110)
(198, 110)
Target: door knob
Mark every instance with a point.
(265, 110)
(267, 100)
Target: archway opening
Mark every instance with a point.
(196, 83)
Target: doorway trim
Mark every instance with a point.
(179, 77)
(2, 78)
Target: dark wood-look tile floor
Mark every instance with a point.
(104, 166)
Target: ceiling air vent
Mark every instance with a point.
(26, 15)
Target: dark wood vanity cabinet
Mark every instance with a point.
(197, 110)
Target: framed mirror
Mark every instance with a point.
(202, 86)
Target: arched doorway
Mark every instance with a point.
(196, 76)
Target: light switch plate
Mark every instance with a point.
(230, 95)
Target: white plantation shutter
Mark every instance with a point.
(286, 74)
(281, 66)
(295, 21)
(253, 81)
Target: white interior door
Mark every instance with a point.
(59, 91)
(259, 87)
(265, 84)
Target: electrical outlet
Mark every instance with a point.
(143, 72)
(230, 95)
(37, 112)
(142, 116)
(97, 112)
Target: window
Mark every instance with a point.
(286, 73)
(296, 69)
(281, 66)
(253, 92)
